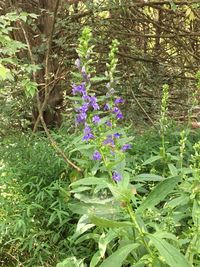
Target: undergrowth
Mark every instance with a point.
(39, 213)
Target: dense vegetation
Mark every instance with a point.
(99, 148)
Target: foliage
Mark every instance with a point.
(35, 193)
(159, 45)
(15, 74)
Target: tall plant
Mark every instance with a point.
(106, 197)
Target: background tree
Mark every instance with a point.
(159, 44)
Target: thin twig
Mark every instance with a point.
(55, 146)
(13, 257)
(143, 110)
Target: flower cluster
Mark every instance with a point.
(107, 145)
(87, 103)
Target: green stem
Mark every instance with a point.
(132, 216)
(163, 145)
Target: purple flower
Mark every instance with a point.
(96, 119)
(88, 136)
(116, 110)
(78, 63)
(119, 116)
(93, 102)
(119, 100)
(86, 97)
(84, 108)
(78, 89)
(117, 135)
(126, 147)
(80, 118)
(96, 155)
(106, 107)
(109, 141)
(87, 129)
(87, 133)
(116, 176)
(108, 123)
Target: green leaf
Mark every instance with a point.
(148, 177)
(178, 201)
(105, 240)
(158, 193)
(108, 223)
(196, 213)
(171, 255)
(173, 169)
(80, 189)
(95, 259)
(151, 160)
(82, 226)
(84, 208)
(118, 257)
(89, 181)
(173, 6)
(23, 16)
(82, 147)
(71, 262)
(30, 87)
(92, 200)
(3, 72)
(98, 79)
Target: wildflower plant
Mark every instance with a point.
(182, 144)
(106, 197)
(163, 117)
(194, 98)
(98, 116)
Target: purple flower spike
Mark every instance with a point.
(119, 100)
(93, 102)
(96, 119)
(126, 147)
(108, 123)
(119, 116)
(87, 133)
(78, 89)
(106, 107)
(116, 110)
(87, 137)
(84, 108)
(80, 118)
(117, 135)
(116, 176)
(87, 129)
(109, 141)
(86, 97)
(96, 155)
